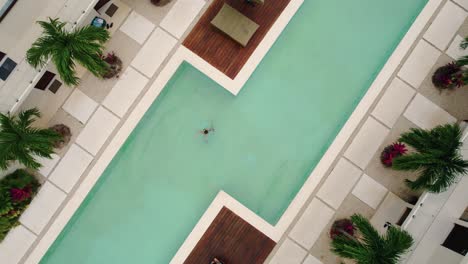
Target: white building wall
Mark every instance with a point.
(19, 30)
(440, 228)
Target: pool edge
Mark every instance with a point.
(234, 86)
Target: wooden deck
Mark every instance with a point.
(233, 241)
(219, 49)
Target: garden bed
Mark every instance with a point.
(16, 192)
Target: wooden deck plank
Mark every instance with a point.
(233, 241)
(219, 49)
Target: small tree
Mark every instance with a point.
(438, 159)
(368, 247)
(20, 141)
(82, 45)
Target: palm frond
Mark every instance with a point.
(438, 159)
(83, 45)
(369, 247)
(22, 142)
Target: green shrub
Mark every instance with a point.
(16, 192)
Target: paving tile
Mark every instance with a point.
(339, 183)
(393, 102)
(137, 27)
(463, 3)
(393, 180)
(42, 207)
(149, 59)
(311, 260)
(419, 64)
(97, 131)
(48, 164)
(445, 25)
(311, 224)
(80, 106)
(425, 114)
(369, 191)
(15, 245)
(288, 252)
(366, 142)
(181, 16)
(454, 49)
(70, 168)
(451, 100)
(125, 91)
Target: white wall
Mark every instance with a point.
(446, 256)
(18, 30)
(443, 223)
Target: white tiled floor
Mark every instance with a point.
(137, 27)
(15, 245)
(80, 106)
(366, 142)
(463, 3)
(181, 16)
(42, 208)
(311, 260)
(311, 224)
(70, 168)
(426, 114)
(419, 63)
(369, 191)
(98, 129)
(454, 49)
(393, 102)
(339, 183)
(125, 91)
(445, 25)
(48, 164)
(154, 52)
(289, 252)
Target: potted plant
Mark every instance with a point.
(82, 45)
(19, 141)
(449, 76)
(160, 2)
(342, 227)
(454, 74)
(437, 157)
(369, 246)
(114, 64)
(392, 151)
(65, 135)
(16, 192)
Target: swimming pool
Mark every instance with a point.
(265, 144)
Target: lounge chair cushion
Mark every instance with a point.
(235, 24)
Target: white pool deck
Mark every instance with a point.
(340, 172)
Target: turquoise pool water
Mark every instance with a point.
(266, 142)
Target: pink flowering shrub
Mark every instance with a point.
(392, 151)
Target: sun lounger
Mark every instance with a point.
(237, 26)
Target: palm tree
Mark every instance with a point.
(19, 141)
(369, 247)
(438, 158)
(82, 45)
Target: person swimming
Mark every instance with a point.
(207, 131)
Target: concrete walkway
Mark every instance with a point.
(358, 183)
